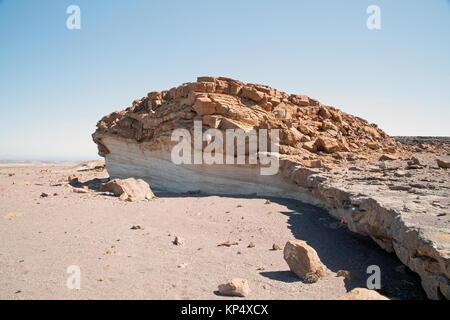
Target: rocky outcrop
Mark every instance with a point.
(327, 158)
(308, 129)
(403, 210)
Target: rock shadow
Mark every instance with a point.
(337, 247)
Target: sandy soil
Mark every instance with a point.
(42, 236)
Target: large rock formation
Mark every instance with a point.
(314, 140)
(137, 141)
(308, 129)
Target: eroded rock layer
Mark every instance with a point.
(308, 129)
(327, 158)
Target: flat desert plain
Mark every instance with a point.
(126, 250)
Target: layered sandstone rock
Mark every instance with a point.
(308, 129)
(323, 155)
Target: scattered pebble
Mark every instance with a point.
(79, 190)
(179, 241)
(346, 274)
(275, 247)
(123, 196)
(227, 244)
(12, 215)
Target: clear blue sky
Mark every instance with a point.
(55, 83)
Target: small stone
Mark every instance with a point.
(275, 247)
(251, 245)
(44, 195)
(12, 215)
(346, 274)
(136, 227)
(311, 277)
(235, 287)
(227, 244)
(179, 241)
(79, 190)
(402, 173)
(123, 196)
(267, 202)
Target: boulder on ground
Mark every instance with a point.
(304, 261)
(137, 189)
(363, 294)
(235, 287)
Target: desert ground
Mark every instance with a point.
(126, 250)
